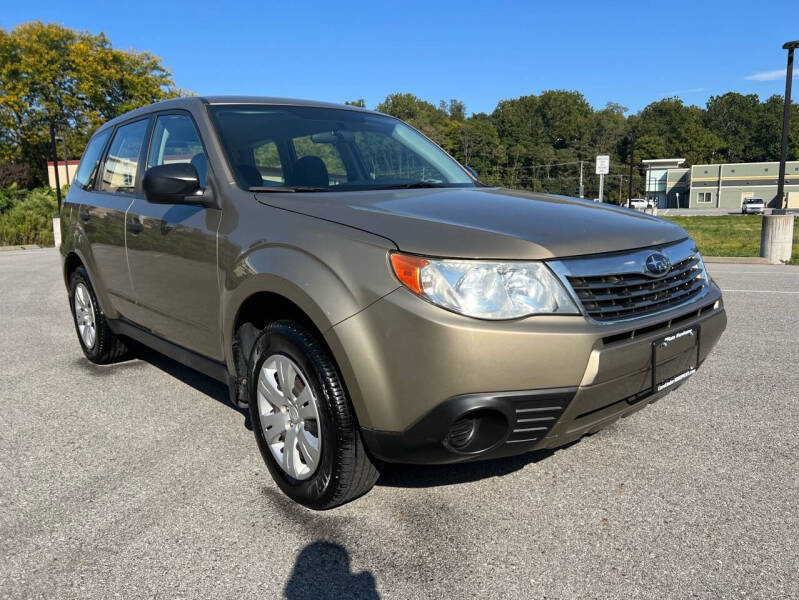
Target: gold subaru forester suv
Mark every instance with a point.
(365, 295)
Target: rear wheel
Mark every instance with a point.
(98, 342)
(303, 421)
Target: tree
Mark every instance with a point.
(478, 146)
(733, 118)
(50, 73)
(767, 136)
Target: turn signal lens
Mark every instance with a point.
(407, 269)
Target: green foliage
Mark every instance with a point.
(537, 142)
(52, 73)
(26, 217)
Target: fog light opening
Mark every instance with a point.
(477, 432)
(462, 432)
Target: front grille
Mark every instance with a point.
(611, 297)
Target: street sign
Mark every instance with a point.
(602, 169)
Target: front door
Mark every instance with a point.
(172, 250)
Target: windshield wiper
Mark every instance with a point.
(284, 189)
(413, 185)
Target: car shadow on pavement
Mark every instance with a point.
(322, 571)
(200, 382)
(419, 476)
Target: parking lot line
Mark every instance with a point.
(760, 291)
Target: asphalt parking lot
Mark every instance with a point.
(138, 480)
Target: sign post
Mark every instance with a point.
(602, 169)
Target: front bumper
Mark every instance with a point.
(413, 370)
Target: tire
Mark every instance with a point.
(103, 347)
(341, 470)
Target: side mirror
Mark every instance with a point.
(471, 171)
(175, 183)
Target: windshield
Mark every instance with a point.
(298, 148)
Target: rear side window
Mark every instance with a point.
(87, 171)
(122, 162)
(175, 140)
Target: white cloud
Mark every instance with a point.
(769, 75)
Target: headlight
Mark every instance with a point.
(486, 290)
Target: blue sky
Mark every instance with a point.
(627, 52)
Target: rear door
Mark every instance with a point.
(172, 249)
(102, 212)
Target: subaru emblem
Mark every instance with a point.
(658, 264)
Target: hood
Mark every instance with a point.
(485, 222)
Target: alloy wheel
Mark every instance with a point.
(84, 316)
(289, 415)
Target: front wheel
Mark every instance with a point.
(303, 421)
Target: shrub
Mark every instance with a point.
(15, 174)
(26, 217)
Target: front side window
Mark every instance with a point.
(329, 149)
(329, 155)
(267, 162)
(87, 171)
(122, 162)
(175, 140)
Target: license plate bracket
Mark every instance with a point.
(675, 357)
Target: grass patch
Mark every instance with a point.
(729, 235)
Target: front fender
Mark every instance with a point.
(331, 281)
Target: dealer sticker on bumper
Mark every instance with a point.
(676, 379)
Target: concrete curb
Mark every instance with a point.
(739, 260)
(23, 247)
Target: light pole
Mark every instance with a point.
(776, 235)
(781, 206)
(58, 138)
(54, 150)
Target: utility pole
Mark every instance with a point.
(780, 204)
(632, 159)
(621, 182)
(582, 192)
(55, 165)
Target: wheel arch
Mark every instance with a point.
(71, 262)
(258, 310)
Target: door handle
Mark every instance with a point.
(134, 227)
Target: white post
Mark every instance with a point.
(601, 186)
(57, 232)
